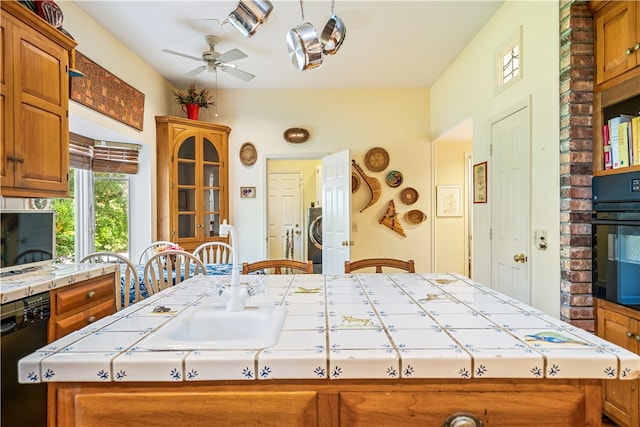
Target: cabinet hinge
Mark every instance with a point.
(491, 149)
(491, 234)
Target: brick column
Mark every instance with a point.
(576, 111)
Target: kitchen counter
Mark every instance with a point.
(352, 326)
(363, 333)
(44, 279)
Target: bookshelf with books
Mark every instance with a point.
(616, 111)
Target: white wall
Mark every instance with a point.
(396, 119)
(466, 90)
(102, 48)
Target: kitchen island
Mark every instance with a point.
(355, 350)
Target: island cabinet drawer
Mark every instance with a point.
(76, 306)
(407, 409)
(177, 408)
(85, 293)
(80, 320)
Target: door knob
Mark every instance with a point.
(520, 258)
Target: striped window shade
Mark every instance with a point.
(103, 156)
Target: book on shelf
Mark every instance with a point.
(635, 139)
(623, 144)
(606, 148)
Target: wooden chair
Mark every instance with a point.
(33, 255)
(170, 267)
(152, 249)
(214, 253)
(378, 263)
(305, 267)
(127, 281)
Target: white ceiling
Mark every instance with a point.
(388, 43)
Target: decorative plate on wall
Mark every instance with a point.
(355, 182)
(376, 159)
(248, 154)
(394, 179)
(409, 196)
(415, 216)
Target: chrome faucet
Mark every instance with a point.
(235, 294)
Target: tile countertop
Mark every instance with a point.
(346, 326)
(51, 277)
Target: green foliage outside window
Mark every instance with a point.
(111, 213)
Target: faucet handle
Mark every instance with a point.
(216, 285)
(257, 286)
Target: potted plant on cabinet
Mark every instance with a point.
(192, 100)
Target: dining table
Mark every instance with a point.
(211, 269)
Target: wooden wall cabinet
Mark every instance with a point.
(617, 25)
(34, 148)
(192, 177)
(617, 66)
(621, 326)
(76, 306)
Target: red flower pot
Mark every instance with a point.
(192, 110)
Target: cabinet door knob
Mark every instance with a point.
(91, 319)
(638, 338)
(629, 334)
(91, 294)
(462, 419)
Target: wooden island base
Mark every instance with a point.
(326, 403)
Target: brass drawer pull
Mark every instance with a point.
(91, 319)
(91, 294)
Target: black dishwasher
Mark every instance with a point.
(24, 330)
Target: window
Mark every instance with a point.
(95, 218)
(508, 60)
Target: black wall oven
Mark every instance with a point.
(616, 238)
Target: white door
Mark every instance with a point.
(336, 212)
(510, 187)
(284, 215)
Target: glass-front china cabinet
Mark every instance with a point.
(192, 180)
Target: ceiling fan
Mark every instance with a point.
(215, 60)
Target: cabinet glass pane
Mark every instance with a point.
(211, 199)
(186, 200)
(187, 149)
(186, 225)
(213, 228)
(211, 175)
(186, 173)
(209, 152)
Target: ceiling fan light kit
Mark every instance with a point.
(249, 15)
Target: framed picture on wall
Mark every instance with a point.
(480, 183)
(248, 192)
(449, 200)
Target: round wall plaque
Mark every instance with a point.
(296, 135)
(248, 154)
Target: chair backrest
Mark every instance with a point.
(32, 255)
(170, 267)
(214, 253)
(153, 249)
(378, 263)
(126, 294)
(291, 266)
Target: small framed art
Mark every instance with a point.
(480, 183)
(449, 200)
(248, 192)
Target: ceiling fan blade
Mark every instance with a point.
(184, 55)
(243, 75)
(232, 55)
(196, 71)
